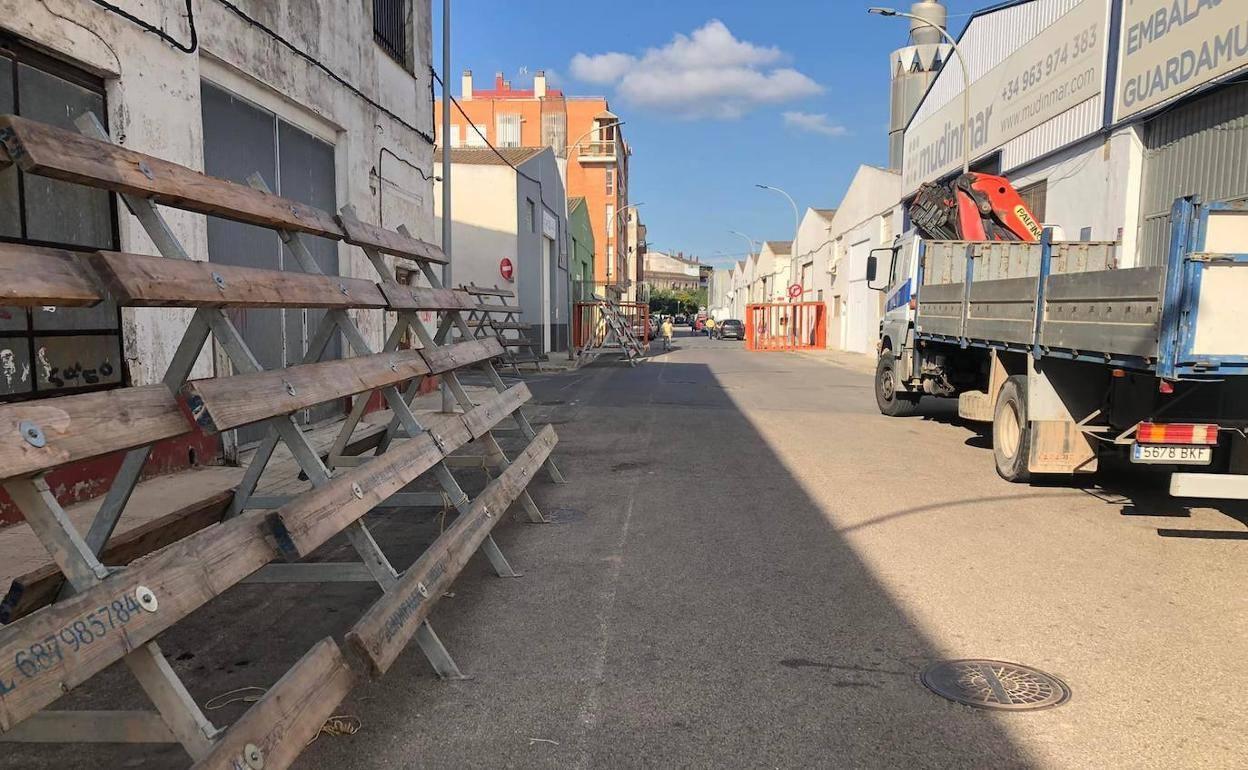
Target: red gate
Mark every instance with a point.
(786, 326)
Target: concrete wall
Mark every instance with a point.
(868, 217)
(484, 204)
(153, 94)
(1095, 184)
(547, 194)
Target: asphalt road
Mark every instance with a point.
(749, 568)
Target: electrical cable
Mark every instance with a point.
(460, 107)
(157, 31)
(381, 180)
(323, 68)
(193, 45)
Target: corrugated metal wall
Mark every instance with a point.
(990, 40)
(1196, 149)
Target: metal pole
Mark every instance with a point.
(448, 400)
(797, 226)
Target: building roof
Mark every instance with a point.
(484, 156)
(779, 247)
(574, 202)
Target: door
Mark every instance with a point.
(860, 323)
(548, 261)
(241, 139)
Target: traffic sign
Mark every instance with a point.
(795, 291)
(506, 269)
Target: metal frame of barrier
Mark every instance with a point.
(786, 326)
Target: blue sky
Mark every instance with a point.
(702, 136)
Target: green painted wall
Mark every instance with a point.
(583, 250)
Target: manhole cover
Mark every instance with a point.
(993, 684)
(565, 515)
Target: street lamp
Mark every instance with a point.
(966, 78)
(748, 239)
(797, 226)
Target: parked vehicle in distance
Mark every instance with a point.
(697, 323)
(680, 319)
(730, 328)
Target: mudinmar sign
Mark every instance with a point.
(1058, 69)
(1171, 47)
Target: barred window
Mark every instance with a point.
(51, 350)
(390, 28)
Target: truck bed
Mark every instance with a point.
(1070, 300)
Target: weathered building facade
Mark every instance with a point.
(326, 101)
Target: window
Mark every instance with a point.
(507, 130)
(456, 140)
(610, 181)
(606, 130)
(1035, 196)
(610, 221)
(241, 138)
(49, 350)
(532, 216)
(475, 138)
(390, 28)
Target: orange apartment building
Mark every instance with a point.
(587, 139)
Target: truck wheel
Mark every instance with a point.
(1011, 432)
(887, 397)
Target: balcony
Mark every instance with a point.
(596, 152)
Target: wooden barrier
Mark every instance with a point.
(115, 615)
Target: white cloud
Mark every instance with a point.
(707, 74)
(817, 123)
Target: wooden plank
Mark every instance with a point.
(382, 633)
(460, 354)
(516, 342)
(499, 308)
(89, 631)
(84, 426)
(40, 587)
(486, 291)
(56, 153)
(305, 523)
(32, 276)
(425, 298)
(227, 402)
(389, 242)
(487, 414)
(517, 325)
(158, 282)
(285, 720)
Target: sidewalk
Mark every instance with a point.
(860, 362)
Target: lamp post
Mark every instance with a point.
(618, 223)
(448, 401)
(797, 226)
(966, 78)
(748, 240)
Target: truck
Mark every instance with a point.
(1072, 358)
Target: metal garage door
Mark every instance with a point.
(1196, 149)
(240, 139)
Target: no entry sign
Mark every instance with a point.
(506, 269)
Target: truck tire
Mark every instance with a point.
(891, 402)
(1011, 432)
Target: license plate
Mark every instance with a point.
(1165, 454)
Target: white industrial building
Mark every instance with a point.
(1100, 112)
